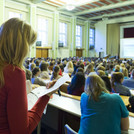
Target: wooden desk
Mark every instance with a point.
(125, 99)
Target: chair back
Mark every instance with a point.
(69, 130)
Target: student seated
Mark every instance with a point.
(35, 77)
(129, 82)
(69, 67)
(116, 82)
(55, 74)
(28, 80)
(131, 101)
(76, 86)
(89, 69)
(44, 70)
(32, 66)
(117, 68)
(101, 112)
(105, 79)
(125, 72)
(50, 67)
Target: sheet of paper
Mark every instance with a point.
(132, 91)
(131, 122)
(42, 90)
(32, 99)
(46, 81)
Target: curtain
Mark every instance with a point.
(113, 39)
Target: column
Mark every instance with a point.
(55, 34)
(2, 8)
(33, 24)
(86, 39)
(73, 37)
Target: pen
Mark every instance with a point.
(59, 92)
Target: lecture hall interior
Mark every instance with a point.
(68, 28)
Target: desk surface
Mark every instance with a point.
(66, 104)
(125, 99)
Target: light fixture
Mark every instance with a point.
(70, 7)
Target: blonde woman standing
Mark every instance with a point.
(16, 37)
(101, 112)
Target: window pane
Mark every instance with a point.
(91, 38)
(15, 15)
(78, 36)
(43, 31)
(63, 33)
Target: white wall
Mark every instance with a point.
(100, 37)
(101, 32)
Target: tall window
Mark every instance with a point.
(43, 31)
(91, 38)
(78, 36)
(63, 34)
(15, 15)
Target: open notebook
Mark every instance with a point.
(42, 90)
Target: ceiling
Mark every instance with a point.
(95, 10)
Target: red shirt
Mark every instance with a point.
(60, 73)
(14, 115)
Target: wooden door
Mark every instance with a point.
(38, 53)
(44, 53)
(79, 52)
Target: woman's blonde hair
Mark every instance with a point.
(117, 68)
(89, 68)
(15, 38)
(122, 65)
(69, 65)
(94, 86)
(124, 71)
(100, 73)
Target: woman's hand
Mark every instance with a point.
(50, 84)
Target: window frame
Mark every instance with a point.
(78, 35)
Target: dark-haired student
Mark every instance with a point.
(116, 82)
(44, 70)
(77, 84)
(55, 74)
(35, 77)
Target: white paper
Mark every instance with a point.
(46, 81)
(131, 122)
(42, 90)
(32, 99)
(132, 91)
